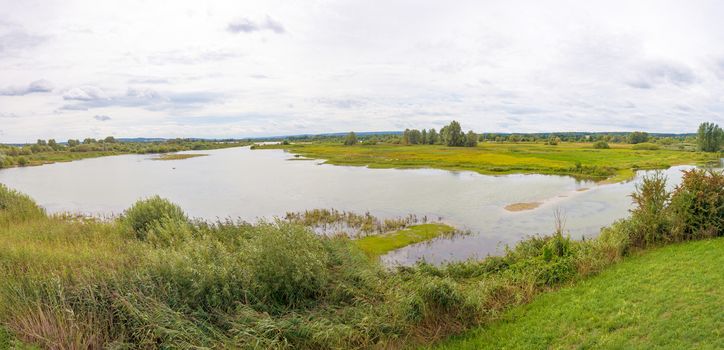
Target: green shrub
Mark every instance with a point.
(147, 213)
(649, 218)
(17, 207)
(697, 205)
(646, 146)
(601, 145)
(287, 264)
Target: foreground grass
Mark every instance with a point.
(377, 245)
(668, 298)
(153, 278)
(576, 159)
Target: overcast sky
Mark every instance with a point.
(73, 69)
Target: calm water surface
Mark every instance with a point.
(241, 183)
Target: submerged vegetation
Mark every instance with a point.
(153, 278)
(178, 156)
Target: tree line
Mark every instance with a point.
(709, 138)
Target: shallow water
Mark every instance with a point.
(241, 183)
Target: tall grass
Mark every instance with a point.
(155, 279)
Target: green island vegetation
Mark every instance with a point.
(178, 156)
(612, 157)
(50, 151)
(153, 278)
(378, 245)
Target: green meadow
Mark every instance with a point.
(582, 160)
(667, 298)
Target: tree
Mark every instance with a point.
(41, 142)
(89, 140)
(415, 137)
(110, 139)
(406, 137)
(453, 134)
(471, 139)
(351, 139)
(432, 137)
(423, 137)
(73, 143)
(638, 137)
(710, 137)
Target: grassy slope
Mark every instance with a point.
(377, 245)
(500, 158)
(671, 297)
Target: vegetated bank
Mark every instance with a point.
(612, 157)
(666, 298)
(581, 160)
(50, 151)
(156, 279)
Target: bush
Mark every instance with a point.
(17, 207)
(697, 205)
(646, 146)
(147, 213)
(601, 145)
(649, 219)
(287, 264)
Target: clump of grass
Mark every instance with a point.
(147, 213)
(17, 207)
(178, 156)
(332, 222)
(646, 146)
(377, 245)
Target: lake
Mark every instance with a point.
(253, 184)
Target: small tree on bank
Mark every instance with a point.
(638, 137)
(710, 137)
(351, 139)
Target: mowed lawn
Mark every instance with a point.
(501, 158)
(668, 298)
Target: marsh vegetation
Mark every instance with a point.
(155, 278)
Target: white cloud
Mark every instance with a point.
(236, 69)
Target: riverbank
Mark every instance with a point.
(580, 160)
(667, 298)
(36, 155)
(155, 278)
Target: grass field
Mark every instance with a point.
(377, 245)
(668, 298)
(575, 159)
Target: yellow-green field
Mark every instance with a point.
(576, 159)
(377, 245)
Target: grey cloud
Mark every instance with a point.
(88, 98)
(35, 86)
(8, 115)
(654, 74)
(341, 103)
(187, 57)
(85, 93)
(102, 118)
(18, 40)
(245, 25)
